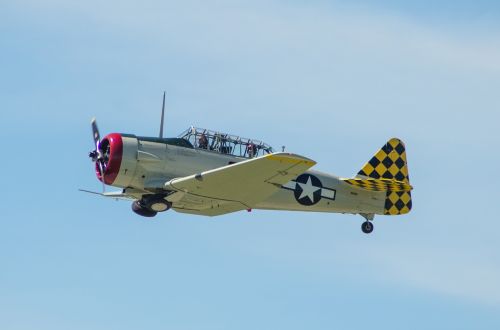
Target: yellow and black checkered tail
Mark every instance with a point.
(390, 163)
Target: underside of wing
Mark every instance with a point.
(213, 208)
(235, 187)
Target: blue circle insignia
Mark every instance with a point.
(307, 189)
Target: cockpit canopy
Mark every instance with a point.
(224, 143)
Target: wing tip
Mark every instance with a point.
(291, 158)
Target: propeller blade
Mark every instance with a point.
(101, 171)
(97, 155)
(95, 132)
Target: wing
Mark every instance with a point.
(235, 187)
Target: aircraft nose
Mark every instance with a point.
(111, 148)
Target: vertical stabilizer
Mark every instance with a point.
(390, 163)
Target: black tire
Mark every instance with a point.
(142, 211)
(367, 227)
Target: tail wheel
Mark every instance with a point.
(142, 211)
(367, 227)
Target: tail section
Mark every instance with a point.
(390, 163)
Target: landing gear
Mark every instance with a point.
(156, 203)
(141, 210)
(367, 227)
(150, 205)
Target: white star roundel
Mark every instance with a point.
(308, 189)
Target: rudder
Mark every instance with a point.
(390, 163)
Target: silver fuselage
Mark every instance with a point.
(147, 165)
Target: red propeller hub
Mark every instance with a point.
(111, 147)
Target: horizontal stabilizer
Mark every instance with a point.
(380, 185)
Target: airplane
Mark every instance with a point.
(210, 173)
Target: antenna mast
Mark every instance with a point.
(162, 116)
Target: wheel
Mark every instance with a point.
(156, 204)
(367, 227)
(141, 210)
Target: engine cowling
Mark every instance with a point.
(119, 159)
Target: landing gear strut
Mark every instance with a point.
(367, 227)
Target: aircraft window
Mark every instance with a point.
(225, 143)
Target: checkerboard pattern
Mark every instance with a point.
(379, 184)
(390, 163)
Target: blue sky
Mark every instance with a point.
(330, 80)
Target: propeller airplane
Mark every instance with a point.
(210, 173)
